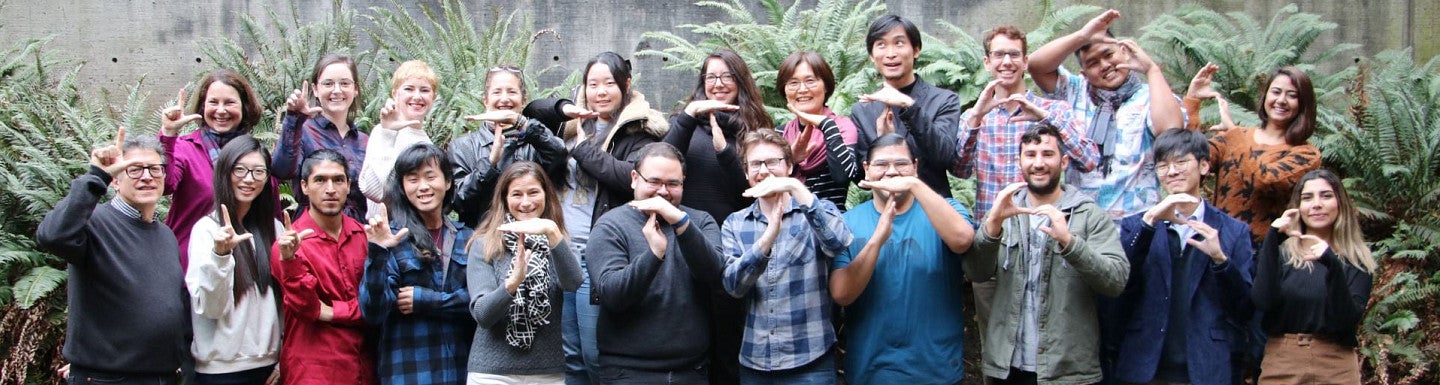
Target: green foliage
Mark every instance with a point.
(833, 28)
(1247, 51)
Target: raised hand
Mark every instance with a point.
(1168, 209)
(1313, 246)
(886, 223)
(896, 185)
(987, 100)
(1210, 245)
(654, 237)
(885, 123)
(111, 158)
(1029, 112)
(405, 300)
(173, 118)
(1059, 228)
(577, 112)
(706, 106)
(774, 185)
(1094, 30)
(537, 226)
(1226, 122)
(1288, 222)
(809, 123)
(378, 231)
(299, 101)
(225, 237)
(889, 96)
(717, 136)
(660, 206)
(497, 116)
(392, 119)
(518, 267)
(1139, 60)
(289, 240)
(1003, 209)
(1202, 85)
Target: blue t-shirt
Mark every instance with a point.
(907, 327)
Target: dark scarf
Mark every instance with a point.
(531, 305)
(1102, 127)
(214, 141)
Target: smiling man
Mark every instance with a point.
(925, 115)
(129, 317)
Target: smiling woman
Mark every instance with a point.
(402, 119)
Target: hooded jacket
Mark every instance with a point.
(609, 158)
(1094, 264)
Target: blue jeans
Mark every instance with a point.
(818, 372)
(581, 350)
(82, 376)
(255, 376)
(624, 376)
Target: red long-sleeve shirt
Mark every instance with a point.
(326, 270)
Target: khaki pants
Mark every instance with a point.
(1307, 359)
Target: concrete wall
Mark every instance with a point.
(123, 41)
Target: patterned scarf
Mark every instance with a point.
(531, 306)
(1102, 128)
(214, 141)
(818, 153)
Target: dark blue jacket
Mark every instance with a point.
(1218, 299)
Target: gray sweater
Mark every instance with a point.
(652, 311)
(129, 311)
(490, 353)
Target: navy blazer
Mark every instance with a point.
(1219, 298)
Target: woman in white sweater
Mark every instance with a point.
(402, 119)
(235, 300)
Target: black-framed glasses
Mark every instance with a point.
(1006, 54)
(772, 164)
(901, 165)
(725, 78)
(794, 85)
(241, 172)
(672, 184)
(155, 170)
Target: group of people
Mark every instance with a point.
(592, 240)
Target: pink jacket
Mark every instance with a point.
(189, 180)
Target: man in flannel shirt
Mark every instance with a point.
(778, 252)
(901, 279)
(989, 135)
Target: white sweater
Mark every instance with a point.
(380, 153)
(229, 336)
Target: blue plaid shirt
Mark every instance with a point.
(430, 345)
(788, 323)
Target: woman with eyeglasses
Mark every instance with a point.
(335, 85)
(227, 108)
(821, 141)
(233, 297)
(522, 264)
(1312, 282)
(504, 137)
(402, 119)
(604, 129)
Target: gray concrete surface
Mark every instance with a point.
(160, 40)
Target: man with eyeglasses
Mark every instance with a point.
(989, 135)
(925, 115)
(900, 279)
(778, 252)
(1189, 278)
(652, 283)
(129, 314)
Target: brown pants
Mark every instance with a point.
(1307, 359)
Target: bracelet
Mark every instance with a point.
(681, 223)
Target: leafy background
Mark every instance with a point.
(1379, 117)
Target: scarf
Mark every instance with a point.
(816, 159)
(1102, 127)
(214, 141)
(531, 306)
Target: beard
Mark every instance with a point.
(329, 213)
(1042, 189)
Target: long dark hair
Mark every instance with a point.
(499, 206)
(252, 266)
(619, 69)
(1303, 125)
(250, 108)
(405, 215)
(752, 107)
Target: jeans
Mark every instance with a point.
(818, 372)
(255, 376)
(82, 376)
(625, 376)
(581, 369)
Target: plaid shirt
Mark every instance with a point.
(991, 152)
(297, 141)
(431, 345)
(788, 324)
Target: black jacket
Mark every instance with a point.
(475, 176)
(929, 127)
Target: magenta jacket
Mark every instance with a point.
(189, 180)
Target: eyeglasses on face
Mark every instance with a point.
(673, 184)
(1178, 165)
(725, 78)
(772, 164)
(901, 165)
(794, 84)
(1006, 54)
(155, 170)
(241, 172)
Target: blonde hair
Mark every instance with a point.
(413, 69)
(1347, 241)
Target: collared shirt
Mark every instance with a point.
(431, 345)
(991, 152)
(326, 270)
(1131, 186)
(317, 133)
(1185, 231)
(788, 323)
(1027, 336)
(130, 211)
